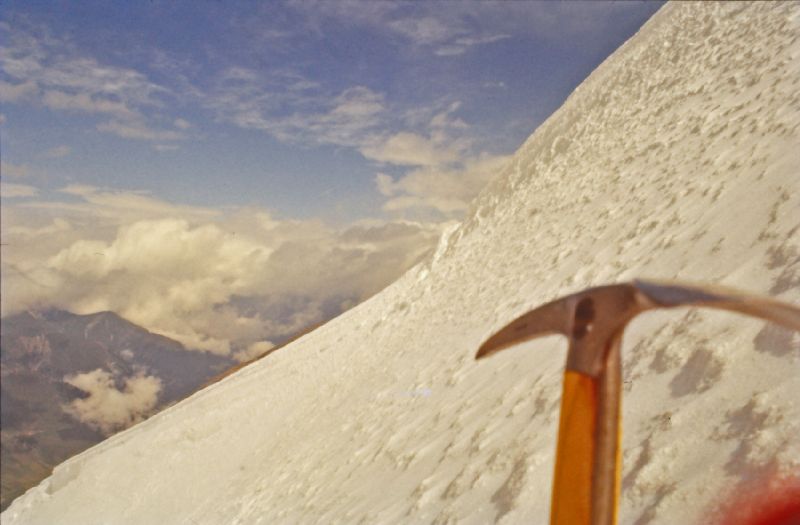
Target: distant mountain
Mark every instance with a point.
(70, 380)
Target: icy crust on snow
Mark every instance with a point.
(677, 159)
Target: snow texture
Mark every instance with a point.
(677, 159)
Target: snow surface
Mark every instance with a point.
(678, 158)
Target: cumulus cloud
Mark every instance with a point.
(174, 274)
(253, 351)
(411, 149)
(442, 189)
(441, 173)
(109, 409)
(227, 283)
(461, 184)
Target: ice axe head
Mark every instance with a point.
(586, 482)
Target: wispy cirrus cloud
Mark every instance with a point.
(118, 207)
(87, 103)
(442, 36)
(293, 109)
(443, 28)
(428, 143)
(13, 92)
(32, 54)
(11, 190)
(138, 130)
(51, 71)
(424, 30)
(461, 45)
(451, 29)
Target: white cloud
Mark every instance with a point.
(448, 38)
(57, 226)
(66, 71)
(442, 171)
(453, 28)
(426, 30)
(177, 274)
(460, 45)
(108, 409)
(411, 149)
(138, 130)
(219, 282)
(86, 103)
(274, 104)
(10, 190)
(58, 152)
(448, 172)
(182, 124)
(446, 190)
(14, 92)
(253, 351)
(115, 208)
(54, 72)
(348, 119)
(445, 121)
(447, 28)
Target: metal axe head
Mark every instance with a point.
(586, 482)
(591, 317)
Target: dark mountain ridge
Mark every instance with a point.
(39, 350)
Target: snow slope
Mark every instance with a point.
(677, 158)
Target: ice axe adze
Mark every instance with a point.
(587, 475)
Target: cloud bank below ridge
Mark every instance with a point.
(225, 281)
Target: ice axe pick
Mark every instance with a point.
(586, 483)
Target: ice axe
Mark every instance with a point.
(586, 483)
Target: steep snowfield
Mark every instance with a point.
(677, 158)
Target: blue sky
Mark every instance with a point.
(229, 173)
(291, 106)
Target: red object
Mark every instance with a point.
(769, 500)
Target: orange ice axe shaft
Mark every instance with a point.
(586, 484)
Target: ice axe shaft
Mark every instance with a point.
(586, 484)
